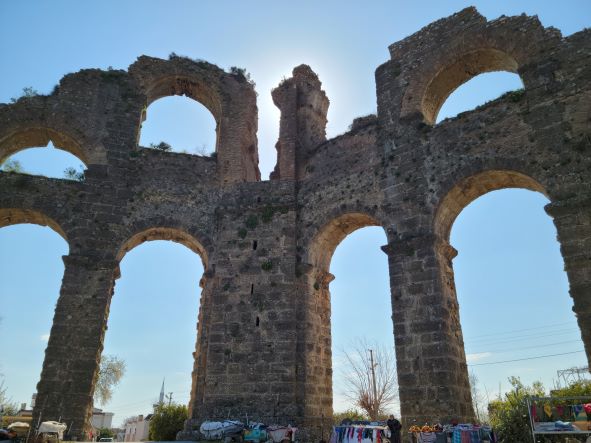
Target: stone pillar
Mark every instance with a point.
(573, 224)
(73, 353)
(431, 363)
(304, 106)
(314, 353)
(245, 357)
(198, 375)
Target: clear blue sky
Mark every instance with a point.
(511, 286)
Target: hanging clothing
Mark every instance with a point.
(395, 427)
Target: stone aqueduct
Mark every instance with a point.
(263, 331)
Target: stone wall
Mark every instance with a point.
(263, 333)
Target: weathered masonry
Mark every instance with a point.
(263, 332)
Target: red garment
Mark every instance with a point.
(466, 437)
(560, 410)
(359, 433)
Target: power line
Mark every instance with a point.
(524, 329)
(523, 359)
(531, 336)
(502, 351)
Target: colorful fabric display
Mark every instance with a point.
(560, 410)
(548, 410)
(563, 426)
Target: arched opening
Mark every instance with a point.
(359, 306)
(515, 311)
(361, 310)
(182, 123)
(479, 90)
(453, 75)
(152, 320)
(46, 161)
(41, 137)
(31, 271)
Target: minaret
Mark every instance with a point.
(161, 399)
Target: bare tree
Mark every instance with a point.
(111, 370)
(202, 149)
(478, 400)
(372, 388)
(7, 407)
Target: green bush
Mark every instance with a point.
(105, 433)
(162, 146)
(515, 96)
(509, 416)
(12, 166)
(27, 92)
(73, 174)
(580, 388)
(167, 421)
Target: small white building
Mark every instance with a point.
(137, 428)
(101, 419)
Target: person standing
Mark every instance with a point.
(395, 427)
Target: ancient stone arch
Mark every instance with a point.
(17, 216)
(468, 189)
(263, 345)
(229, 97)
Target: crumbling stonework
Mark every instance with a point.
(263, 333)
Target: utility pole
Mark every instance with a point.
(373, 383)
(169, 397)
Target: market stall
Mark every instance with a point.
(559, 415)
(452, 433)
(51, 431)
(359, 434)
